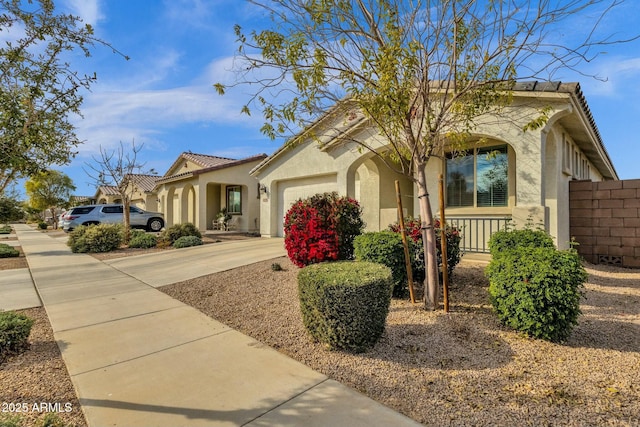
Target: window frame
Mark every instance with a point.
(234, 189)
(475, 152)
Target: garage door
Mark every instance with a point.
(290, 191)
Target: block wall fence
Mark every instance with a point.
(605, 221)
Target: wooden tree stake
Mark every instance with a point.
(405, 243)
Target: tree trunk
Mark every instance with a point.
(431, 285)
(54, 217)
(127, 219)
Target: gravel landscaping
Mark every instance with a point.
(459, 369)
(36, 377)
(462, 368)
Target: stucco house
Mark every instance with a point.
(107, 194)
(198, 186)
(141, 191)
(506, 173)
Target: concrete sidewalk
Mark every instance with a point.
(140, 358)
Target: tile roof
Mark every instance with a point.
(208, 163)
(108, 190)
(571, 88)
(144, 182)
(206, 160)
(203, 160)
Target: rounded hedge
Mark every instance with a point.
(186, 241)
(345, 304)
(143, 240)
(7, 251)
(95, 238)
(173, 233)
(14, 332)
(506, 240)
(385, 247)
(537, 290)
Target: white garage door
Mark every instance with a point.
(290, 191)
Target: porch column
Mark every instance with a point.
(530, 165)
(201, 205)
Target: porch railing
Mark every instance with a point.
(477, 231)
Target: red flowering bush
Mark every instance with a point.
(454, 254)
(322, 228)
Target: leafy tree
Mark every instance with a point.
(10, 210)
(421, 71)
(49, 190)
(118, 168)
(39, 90)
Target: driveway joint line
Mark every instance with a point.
(133, 316)
(92, 297)
(152, 353)
(285, 402)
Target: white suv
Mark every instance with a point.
(111, 214)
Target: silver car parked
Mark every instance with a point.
(111, 214)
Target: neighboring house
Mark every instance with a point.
(143, 193)
(107, 194)
(506, 173)
(198, 186)
(81, 200)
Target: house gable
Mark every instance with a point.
(188, 162)
(534, 179)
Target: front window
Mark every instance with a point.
(234, 200)
(478, 178)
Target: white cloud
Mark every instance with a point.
(143, 115)
(87, 10)
(616, 77)
(197, 13)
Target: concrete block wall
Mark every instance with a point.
(605, 221)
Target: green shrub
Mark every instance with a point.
(43, 225)
(186, 241)
(537, 290)
(276, 267)
(414, 233)
(142, 240)
(506, 240)
(7, 420)
(95, 238)
(385, 247)
(7, 251)
(345, 304)
(173, 233)
(52, 419)
(14, 332)
(5, 229)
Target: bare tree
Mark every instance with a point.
(118, 168)
(421, 71)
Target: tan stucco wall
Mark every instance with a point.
(538, 187)
(199, 198)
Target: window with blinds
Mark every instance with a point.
(478, 177)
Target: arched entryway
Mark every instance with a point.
(188, 204)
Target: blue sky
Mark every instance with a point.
(163, 96)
